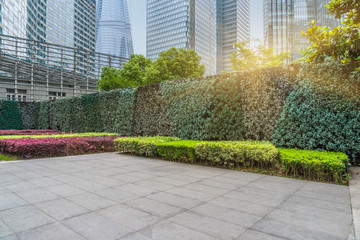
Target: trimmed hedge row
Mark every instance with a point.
(311, 165)
(316, 108)
(27, 148)
(60, 135)
(10, 117)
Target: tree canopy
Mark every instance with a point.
(246, 58)
(340, 44)
(171, 65)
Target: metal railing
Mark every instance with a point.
(31, 70)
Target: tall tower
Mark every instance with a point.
(284, 21)
(232, 25)
(188, 24)
(113, 28)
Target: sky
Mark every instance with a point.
(137, 9)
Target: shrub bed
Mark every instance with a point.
(315, 165)
(29, 132)
(249, 154)
(143, 146)
(182, 151)
(27, 148)
(60, 135)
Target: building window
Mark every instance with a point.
(55, 95)
(12, 96)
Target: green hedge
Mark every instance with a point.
(183, 151)
(150, 116)
(43, 117)
(322, 112)
(109, 102)
(237, 154)
(91, 108)
(315, 165)
(143, 146)
(205, 109)
(28, 114)
(10, 117)
(125, 112)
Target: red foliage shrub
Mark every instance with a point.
(51, 147)
(30, 132)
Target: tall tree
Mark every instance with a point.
(342, 43)
(176, 64)
(132, 75)
(246, 58)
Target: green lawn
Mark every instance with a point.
(6, 158)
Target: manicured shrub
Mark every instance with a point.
(315, 165)
(109, 102)
(323, 112)
(150, 117)
(65, 135)
(10, 117)
(27, 148)
(143, 146)
(29, 132)
(125, 112)
(264, 95)
(91, 108)
(182, 151)
(28, 114)
(204, 109)
(247, 154)
(43, 117)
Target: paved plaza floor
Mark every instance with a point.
(112, 196)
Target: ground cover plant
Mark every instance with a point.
(26, 148)
(7, 158)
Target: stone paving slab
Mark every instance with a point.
(112, 196)
(355, 200)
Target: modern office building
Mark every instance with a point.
(113, 29)
(188, 24)
(29, 65)
(232, 25)
(284, 20)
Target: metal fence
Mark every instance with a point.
(31, 70)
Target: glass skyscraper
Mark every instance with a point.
(185, 24)
(68, 22)
(285, 19)
(232, 25)
(113, 29)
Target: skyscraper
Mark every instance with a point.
(232, 25)
(113, 29)
(284, 21)
(185, 24)
(68, 22)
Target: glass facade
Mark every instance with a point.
(285, 19)
(232, 25)
(113, 29)
(185, 24)
(67, 22)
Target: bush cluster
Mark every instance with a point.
(315, 108)
(143, 146)
(251, 155)
(27, 148)
(10, 117)
(150, 116)
(315, 165)
(28, 114)
(237, 154)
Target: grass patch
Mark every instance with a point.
(7, 158)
